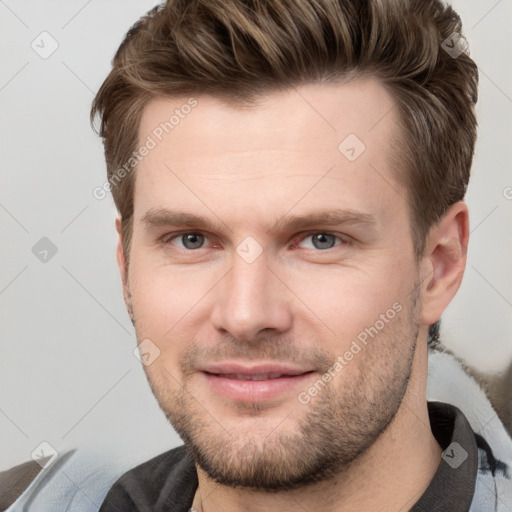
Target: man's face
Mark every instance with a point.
(263, 253)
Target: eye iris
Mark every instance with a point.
(192, 240)
(323, 240)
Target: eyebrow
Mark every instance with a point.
(162, 217)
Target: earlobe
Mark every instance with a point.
(444, 262)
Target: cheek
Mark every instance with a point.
(159, 289)
(167, 301)
(349, 300)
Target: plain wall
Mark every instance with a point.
(67, 370)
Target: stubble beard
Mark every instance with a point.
(336, 427)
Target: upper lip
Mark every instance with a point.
(255, 369)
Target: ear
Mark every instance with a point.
(123, 269)
(443, 264)
(121, 260)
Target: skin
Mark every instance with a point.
(363, 442)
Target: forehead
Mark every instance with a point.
(363, 107)
(314, 143)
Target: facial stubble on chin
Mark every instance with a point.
(330, 432)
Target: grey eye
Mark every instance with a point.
(192, 240)
(323, 240)
(320, 241)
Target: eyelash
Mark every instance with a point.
(344, 240)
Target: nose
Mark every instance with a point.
(251, 299)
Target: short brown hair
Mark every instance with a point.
(238, 49)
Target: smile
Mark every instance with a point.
(256, 386)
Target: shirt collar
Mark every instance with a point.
(453, 485)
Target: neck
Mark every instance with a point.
(391, 475)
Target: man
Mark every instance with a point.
(290, 178)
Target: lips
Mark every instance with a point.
(266, 369)
(253, 377)
(257, 382)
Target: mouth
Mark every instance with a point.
(255, 383)
(265, 376)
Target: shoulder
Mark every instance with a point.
(168, 479)
(452, 381)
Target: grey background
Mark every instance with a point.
(67, 370)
